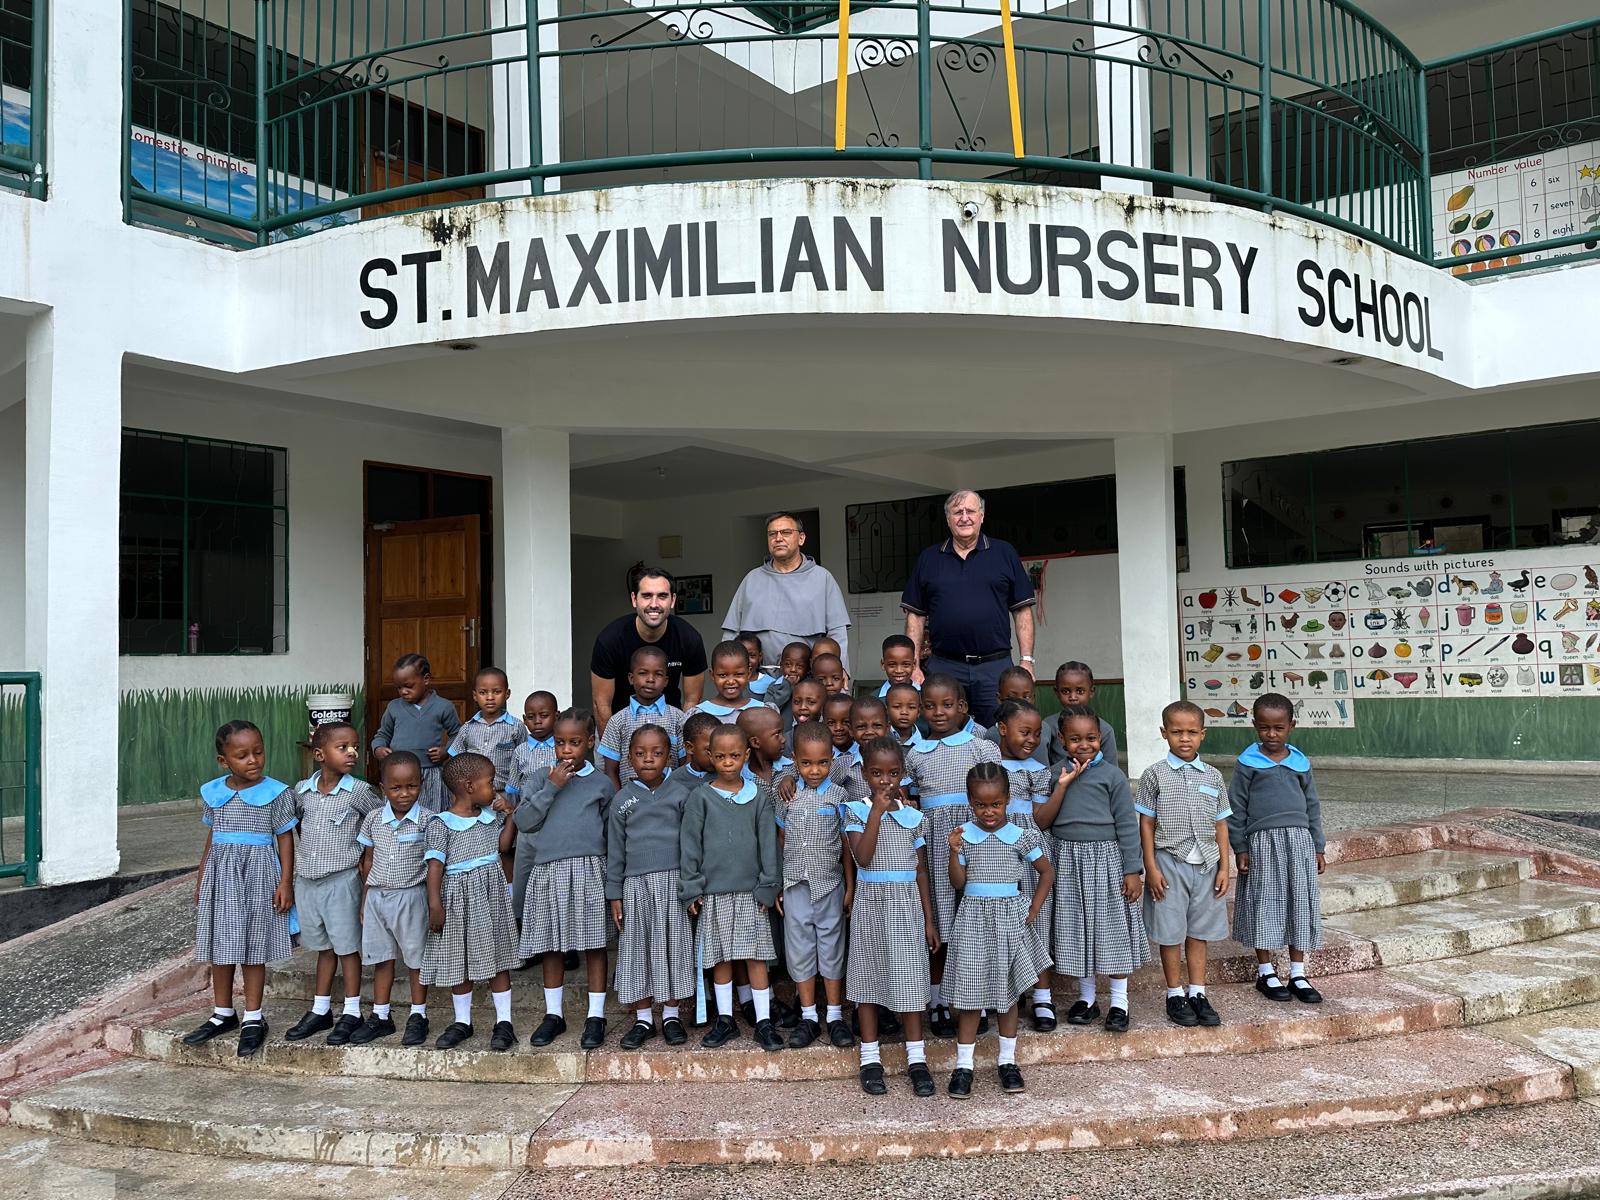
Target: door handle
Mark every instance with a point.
(471, 628)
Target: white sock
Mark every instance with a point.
(252, 1014)
(644, 1015)
(746, 993)
(808, 1012)
(724, 998)
(1041, 997)
(419, 1010)
(1171, 992)
(915, 1053)
(322, 1005)
(763, 1002)
(835, 1012)
(669, 1012)
(552, 1001)
(869, 1053)
(1297, 970)
(964, 1055)
(1086, 991)
(221, 1014)
(463, 1005)
(597, 1004)
(1197, 989)
(1119, 994)
(1265, 968)
(1008, 1051)
(352, 1006)
(381, 1011)
(502, 1005)
(935, 995)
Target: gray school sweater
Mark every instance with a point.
(642, 832)
(416, 727)
(725, 847)
(1272, 796)
(799, 606)
(1099, 808)
(570, 821)
(1050, 741)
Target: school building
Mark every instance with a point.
(330, 331)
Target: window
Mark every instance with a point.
(1507, 490)
(1077, 515)
(204, 564)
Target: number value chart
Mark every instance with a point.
(1513, 205)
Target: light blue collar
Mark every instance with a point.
(584, 771)
(884, 690)
(924, 745)
(1177, 764)
(347, 783)
(972, 727)
(689, 767)
(906, 818)
(722, 710)
(778, 765)
(411, 814)
(658, 706)
(1022, 764)
(1254, 757)
(760, 684)
(826, 783)
(743, 796)
(504, 718)
(1007, 833)
(548, 743)
(216, 793)
(484, 817)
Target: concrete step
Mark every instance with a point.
(346, 1120)
(1529, 977)
(1364, 1005)
(1411, 878)
(1568, 1035)
(1524, 912)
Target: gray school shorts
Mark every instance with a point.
(330, 911)
(813, 932)
(393, 926)
(1188, 910)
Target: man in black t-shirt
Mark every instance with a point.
(651, 623)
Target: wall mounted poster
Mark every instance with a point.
(1452, 628)
(1502, 205)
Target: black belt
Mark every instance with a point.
(973, 660)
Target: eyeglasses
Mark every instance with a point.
(782, 533)
(965, 512)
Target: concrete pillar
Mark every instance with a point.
(1122, 94)
(1147, 578)
(73, 449)
(536, 563)
(85, 99)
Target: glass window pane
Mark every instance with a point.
(1268, 511)
(150, 569)
(1460, 493)
(395, 494)
(459, 496)
(152, 463)
(230, 471)
(1556, 485)
(232, 570)
(1360, 497)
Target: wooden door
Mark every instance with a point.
(423, 597)
(386, 174)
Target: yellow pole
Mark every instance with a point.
(841, 102)
(1011, 77)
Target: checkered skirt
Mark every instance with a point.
(566, 907)
(235, 923)
(732, 928)
(1278, 902)
(655, 951)
(995, 954)
(1096, 931)
(479, 938)
(432, 795)
(937, 824)
(888, 962)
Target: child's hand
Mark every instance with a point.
(381, 753)
(502, 804)
(1158, 882)
(1070, 770)
(778, 904)
(1132, 888)
(930, 935)
(1220, 887)
(766, 908)
(955, 839)
(884, 800)
(436, 917)
(1241, 864)
(283, 896)
(562, 772)
(1322, 863)
(616, 913)
(787, 787)
(435, 755)
(849, 896)
(694, 906)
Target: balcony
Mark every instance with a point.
(22, 107)
(311, 113)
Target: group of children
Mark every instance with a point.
(931, 872)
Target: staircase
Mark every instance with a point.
(1454, 980)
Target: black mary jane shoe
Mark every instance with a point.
(940, 1023)
(1117, 1020)
(1272, 991)
(309, 1025)
(344, 1029)
(640, 1033)
(203, 1033)
(1083, 1013)
(1181, 1012)
(502, 1037)
(747, 1010)
(252, 1036)
(673, 1032)
(722, 1031)
(594, 1033)
(806, 1032)
(960, 1084)
(839, 1034)
(416, 1030)
(1044, 1018)
(1204, 1014)
(1302, 991)
(1011, 1078)
(768, 1037)
(921, 1079)
(872, 1079)
(373, 1028)
(549, 1030)
(454, 1034)
(786, 1015)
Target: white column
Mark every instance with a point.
(1122, 94)
(1147, 577)
(536, 563)
(85, 99)
(73, 448)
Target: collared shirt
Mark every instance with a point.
(939, 767)
(811, 824)
(968, 601)
(496, 740)
(723, 712)
(619, 730)
(887, 684)
(452, 839)
(397, 845)
(526, 759)
(329, 825)
(1187, 799)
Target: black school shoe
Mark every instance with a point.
(594, 1033)
(921, 1079)
(888, 1023)
(344, 1029)
(571, 961)
(1117, 1020)
(252, 1036)
(1083, 1013)
(549, 1030)
(638, 1034)
(722, 1031)
(786, 1015)
(872, 1079)
(839, 1034)
(1269, 990)
(1181, 1012)
(1011, 1078)
(960, 1084)
(747, 1010)
(1044, 1018)
(373, 1028)
(673, 1032)
(983, 1023)
(202, 1034)
(416, 1030)
(940, 1023)
(806, 1032)
(454, 1034)
(768, 1037)
(1203, 1012)
(503, 1036)
(306, 1026)
(1302, 991)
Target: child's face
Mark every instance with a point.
(1074, 687)
(698, 750)
(766, 742)
(1183, 733)
(814, 760)
(898, 663)
(244, 757)
(478, 791)
(882, 771)
(1014, 689)
(1273, 728)
(794, 664)
(806, 702)
(573, 742)
(988, 801)
(1019, 735)
(752, 648)
(412, 684)
(728, 754)
(831, 677)
(648, 757)
(867, 724)
(648, 679)
(402, 784)
(836, 716)
(730, 675)
(1081, 737)
(825, 645)
(489, 693)
(339, 752)
(904, 709)
(539, 716)
(942, 710)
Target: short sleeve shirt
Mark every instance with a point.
(968, 601)
(613, 651)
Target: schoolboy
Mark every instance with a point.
(539, 711)
(899, 662)
(697, 730)
(491, 731)
(1014, 684)
(764, 730)
(1074, 684)
(827, 670)
(647, 675)
(730, 681)
(805, 704)
(838, 712)
(904, 705)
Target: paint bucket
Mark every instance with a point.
(322, 707)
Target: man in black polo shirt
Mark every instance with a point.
(651, 623)
(961, 600)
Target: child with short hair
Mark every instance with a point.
(647, 675)
(421, 721)
(1019, 724)
(1073, 686)
(472, 936)
(1014, 685)
(805, 704)
(244, 889)
(763, 730)
(564, 808)
(828, 645)
(899, 662)
(1275, 829)
(394, 915)
(838, 713)
(903, 702)
(696, 769)
(331, 805)
(818, 888)
(1099, 926)
(655, 949)
(1183, 827)
(729, 876)
(828, 670)
(491, 731)
(730, 680)
(938, 766)
(996, 949)
(892, 926)
(539, 711)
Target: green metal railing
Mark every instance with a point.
(23, 45)
(19, 775)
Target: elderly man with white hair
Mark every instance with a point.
(963, 596)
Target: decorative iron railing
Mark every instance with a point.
(22, 96)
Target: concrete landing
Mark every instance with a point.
(1408, 879)
(1512, 980)
(1569, 1035)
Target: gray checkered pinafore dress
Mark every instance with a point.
(234, 921)
(888, 962)
(1030, 787)
(939, 773)
(1278, 902)
(1096, 931)
(995, 954)
(479, 939)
